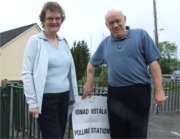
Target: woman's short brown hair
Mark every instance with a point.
(52, 6)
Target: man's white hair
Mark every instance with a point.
(113, 10)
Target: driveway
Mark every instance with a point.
(164, 126)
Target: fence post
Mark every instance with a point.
(7, 97)
(1, 113)
(5, 107)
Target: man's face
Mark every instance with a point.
(116, 22)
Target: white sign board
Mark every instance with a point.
(90, 118)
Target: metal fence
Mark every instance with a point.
(172, 90)
(16, 122)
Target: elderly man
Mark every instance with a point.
(128, 53)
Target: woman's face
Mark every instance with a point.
(52, 21)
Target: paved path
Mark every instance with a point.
(162, 126)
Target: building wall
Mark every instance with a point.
(11, 57)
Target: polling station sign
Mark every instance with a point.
(90, 118)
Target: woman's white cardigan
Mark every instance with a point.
(34, 71)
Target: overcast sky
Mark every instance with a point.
(85, 18)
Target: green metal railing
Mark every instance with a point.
(16, 122)
(171, 89)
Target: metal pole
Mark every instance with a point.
(155, 24)
(91, 45)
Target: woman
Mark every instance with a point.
(48, 74)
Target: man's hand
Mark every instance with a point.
(87, 90)
(88, 87)
(160, 98)
(155, 70)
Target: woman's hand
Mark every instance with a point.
(34, 112)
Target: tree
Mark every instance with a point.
(81, 55)
(168, 50)
(169, 57)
